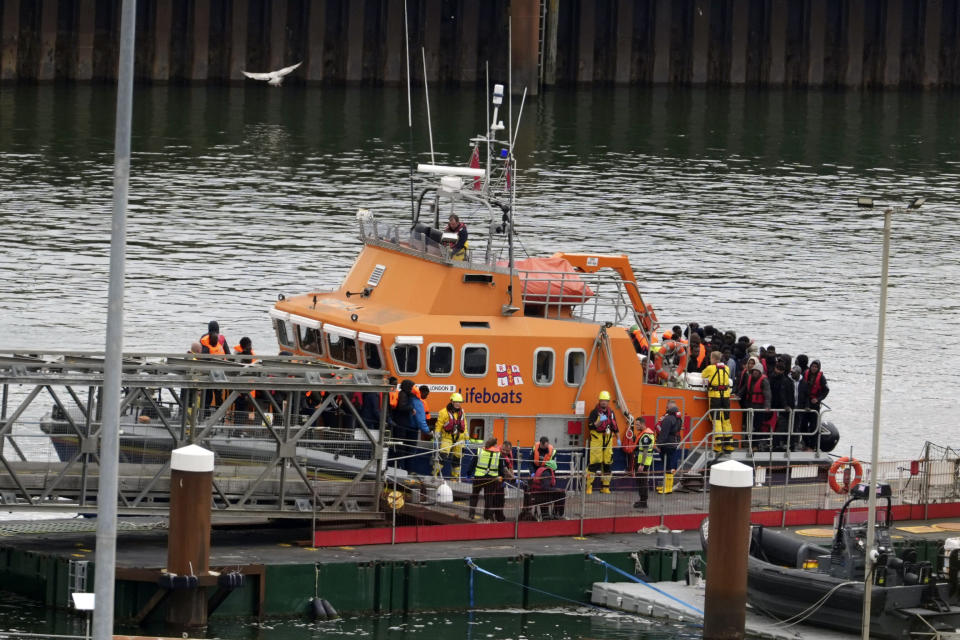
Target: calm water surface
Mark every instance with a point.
(18, 614)
(736, 208)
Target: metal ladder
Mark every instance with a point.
(77, 577)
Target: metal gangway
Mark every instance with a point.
(288, 441)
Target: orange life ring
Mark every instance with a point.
(846, 464)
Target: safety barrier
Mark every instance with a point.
(786, 492)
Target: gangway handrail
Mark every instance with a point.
(705, 443)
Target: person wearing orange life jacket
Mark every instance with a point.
(717, 377)
(212, 341)
(640, 343)
(450, 428)
(543, 452)
(423, 392)
(394, 393)
(245, 348)
(698, 354)
(602, 424)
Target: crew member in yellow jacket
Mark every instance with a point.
(602, 424)
(451, 427)
(717, 377)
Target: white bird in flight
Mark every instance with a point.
(273, 78)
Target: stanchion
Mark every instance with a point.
(727, 550)
(188, 543)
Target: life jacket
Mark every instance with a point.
(816, 386)
(646, 442)
(756, 391)
(701, 355)
(600, 426)
(543, 479)
(455, 423)
(394, 396)
(426, 407)
(216, 349)
(641, 339)
(719, 381)
(539, 458)
(488, 463)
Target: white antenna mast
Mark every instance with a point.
(510, 85)
(406, 41)
(426, 92)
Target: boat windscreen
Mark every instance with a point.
(860, 516)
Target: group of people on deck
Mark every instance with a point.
(773, 385)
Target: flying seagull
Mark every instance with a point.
(273, 78)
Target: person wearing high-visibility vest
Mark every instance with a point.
(602, 423)
(488, 471)
(717, 377)
(646, 445)
(451, 428)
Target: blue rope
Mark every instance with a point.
(643, 582)
(474, 567)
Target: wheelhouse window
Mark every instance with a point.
(310, 340)
(543, 367)
(575, 367)
(341, 344)
(440, 359)
(370, 349)
(284, 329)
(406, 355)
(473, 360)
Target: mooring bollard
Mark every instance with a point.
(727, 549)
(188, 541)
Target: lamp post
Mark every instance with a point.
(877, 391)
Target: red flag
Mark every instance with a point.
(475, 164)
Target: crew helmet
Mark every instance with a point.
(604, 395)
(456, 397)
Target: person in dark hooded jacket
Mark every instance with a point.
(403, 417)
(669, 438)
(817, 390)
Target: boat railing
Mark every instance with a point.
(695, 454)
(401, 236)
(572, 295)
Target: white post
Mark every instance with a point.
(874, 451)
(106, 550)
(728, 545)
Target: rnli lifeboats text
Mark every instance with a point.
(483, 396)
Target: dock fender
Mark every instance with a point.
(328, 608)
(829, 436)
(317, 612)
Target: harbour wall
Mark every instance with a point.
(796, 43)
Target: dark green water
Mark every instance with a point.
(17, 614)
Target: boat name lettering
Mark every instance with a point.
(485, 396)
